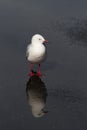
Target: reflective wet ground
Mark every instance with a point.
(63, 87)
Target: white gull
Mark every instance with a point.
(36, 52)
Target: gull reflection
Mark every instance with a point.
(36, 95)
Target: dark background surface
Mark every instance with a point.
(64, 24)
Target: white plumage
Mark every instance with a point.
(36, 52)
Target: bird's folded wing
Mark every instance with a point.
(27, 52)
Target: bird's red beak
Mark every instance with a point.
(46, 41)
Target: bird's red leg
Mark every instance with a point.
(39, 73)
(31, 70)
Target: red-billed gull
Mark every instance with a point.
(36, 52)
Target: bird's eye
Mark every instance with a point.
(39, 39)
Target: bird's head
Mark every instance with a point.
(37, 108)
(37, 38)
(40, 113)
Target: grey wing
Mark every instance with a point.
(27, 52)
